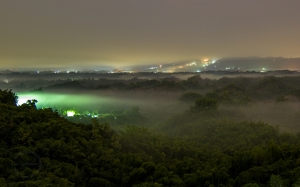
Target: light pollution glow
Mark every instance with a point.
(65, 100)
(74, 33)
(78, 102)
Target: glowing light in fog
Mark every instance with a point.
(70, 113)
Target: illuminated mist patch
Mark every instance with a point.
(6, 80)
(57, 99)
(81, 104)
(73, 105)
(24, 99)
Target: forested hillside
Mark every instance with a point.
(41, 148)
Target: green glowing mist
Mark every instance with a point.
(62, 100)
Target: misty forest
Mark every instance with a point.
(151, 132)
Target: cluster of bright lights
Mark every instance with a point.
(203, 63)
(192, 64)
(156, 67)
(206, 62)
(153, 67)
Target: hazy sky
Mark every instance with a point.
(52, 33)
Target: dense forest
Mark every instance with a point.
(228, 132)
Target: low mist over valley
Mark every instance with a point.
(160, 129)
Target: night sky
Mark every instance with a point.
(77, 33)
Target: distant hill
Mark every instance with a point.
(229, 64)
(256, 64)
(67, 85)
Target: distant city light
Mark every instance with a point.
(191, 64)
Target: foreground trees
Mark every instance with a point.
(8, 97)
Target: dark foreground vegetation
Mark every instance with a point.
(210, 144)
